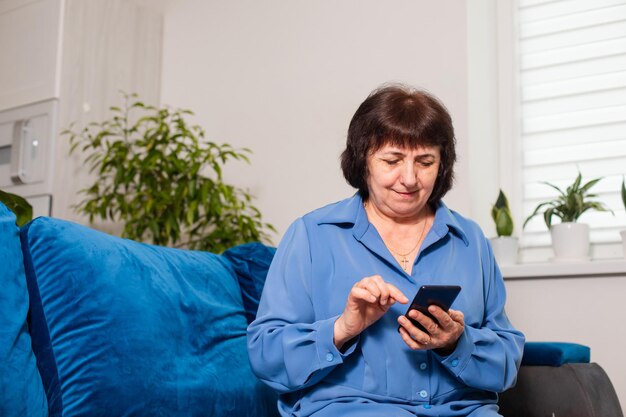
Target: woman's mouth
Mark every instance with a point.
(406, 194)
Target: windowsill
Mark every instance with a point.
(583, 269)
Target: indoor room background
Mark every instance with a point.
(283, 78)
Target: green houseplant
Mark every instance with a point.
(570, 203)
(501, 215)
(570, 239)
(18, 205)
(505, 246)
(158, 176)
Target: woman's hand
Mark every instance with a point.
(368, 300)
(442, 336)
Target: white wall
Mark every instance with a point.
(285, 77)
(483, 112)
(586, 310)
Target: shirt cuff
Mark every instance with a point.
(457, 360)
(327, 353)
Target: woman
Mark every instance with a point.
(330, 334)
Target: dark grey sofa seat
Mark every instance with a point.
(570, 390)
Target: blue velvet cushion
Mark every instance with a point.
(122, 328)
(554, 353)
(21, 389)
(251, 262)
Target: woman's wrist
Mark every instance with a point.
(446, 350)
(340, 336)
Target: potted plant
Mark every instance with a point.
(505, 245)
(159, 177)
(570, 239)
(19, 206)
(623, 232)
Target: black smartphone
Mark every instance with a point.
(440, 295)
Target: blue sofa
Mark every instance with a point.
(95, 325)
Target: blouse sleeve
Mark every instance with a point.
(488, 357)
(289, 349)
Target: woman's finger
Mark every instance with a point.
(373, 289)
(363, 294)
(413, 331)
(424, 320)
(413, 342)
(382, 287)
(444, 321)
(384, 296)
(385, 293)
(396, 294)
(457, 316)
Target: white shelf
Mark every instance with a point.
(597, 268)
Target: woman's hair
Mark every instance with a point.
(402, 116)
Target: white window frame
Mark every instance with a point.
(509, 133)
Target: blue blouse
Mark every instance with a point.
(320, 258)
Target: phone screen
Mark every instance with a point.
(440, 295)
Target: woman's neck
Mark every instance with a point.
(403, 239)
(397, 224)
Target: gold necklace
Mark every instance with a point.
(404, 261)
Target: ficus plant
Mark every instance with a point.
(570, 203)
(159, 177)
(501, 215)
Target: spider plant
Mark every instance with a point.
(570, 203)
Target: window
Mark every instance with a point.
(572, 76)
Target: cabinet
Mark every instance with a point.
(67, 61)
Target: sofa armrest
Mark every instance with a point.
(571, 390)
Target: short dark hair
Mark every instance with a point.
(402, 116)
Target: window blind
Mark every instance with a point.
(572, 60)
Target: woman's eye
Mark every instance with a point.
(391, 161)
(426, 164)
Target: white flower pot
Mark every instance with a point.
(570, 241)
(623, 233)
(505, 249)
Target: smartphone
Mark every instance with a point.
(440, 295)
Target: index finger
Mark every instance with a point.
(382, 287)
(397, 294)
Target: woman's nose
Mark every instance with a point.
(409, 175)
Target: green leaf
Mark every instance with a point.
(577, 181)
(590, 184)
(547, 217)
(504, 223)
(537, 211)
(502, 202)
(19, 206)
(501, 215)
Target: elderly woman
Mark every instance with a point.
(331, 335)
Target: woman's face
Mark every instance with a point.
(401, 180)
